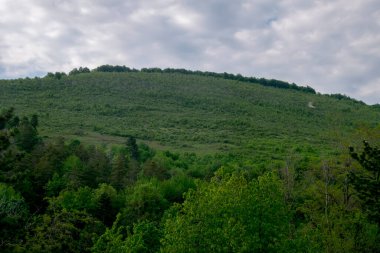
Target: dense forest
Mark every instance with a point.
(62, 196)
(163, 161)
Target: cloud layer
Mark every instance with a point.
(332, 46)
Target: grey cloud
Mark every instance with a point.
(330, 45)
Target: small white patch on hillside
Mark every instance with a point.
(310, 105)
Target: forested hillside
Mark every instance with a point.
(190, 112)
(124, 160)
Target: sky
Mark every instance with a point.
(330, 45)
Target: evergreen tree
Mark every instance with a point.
(34, 120)
(5, 117)
(119, 172)
(99, 163)
(75, 171)
(132, 148)
(104, 210)
(367, 182)
(26, 135)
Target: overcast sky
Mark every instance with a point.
(333, 46)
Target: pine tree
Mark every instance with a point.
(26, 135)
(367, 182)
(119, 172)
(132, 148)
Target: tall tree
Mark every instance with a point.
(367, 181)
(13, 214)
(34, 120)
(118, 176)
(132, 148)
(26, 135)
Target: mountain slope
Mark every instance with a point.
(188, 112)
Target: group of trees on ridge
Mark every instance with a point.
(58, 196)
(237, 77)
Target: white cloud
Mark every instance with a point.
(369, 92)
(330, 45)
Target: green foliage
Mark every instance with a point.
(345, 97)
(144, 238)
(328, 213)
(103, 203)
(145, 152)
(12, 205)
(13, 214)
(63, 231)
(211, 186)
(55, 185)
(144, 201)
(74, 171)
(118, 178)
(111, 241)
(108, 204)
(238, 77)
(367, 182)
(153, 169)
(34, 121)
(56, 75)
(82, 200)
(132, 148)
(117, 68)
(229, 215)
(6, 117)
(81, 70)
(174, 188)
(26, 136)
(185, 112)
(99, 166)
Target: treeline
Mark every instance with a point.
(58, 196)
(237, 77)
(345, 97)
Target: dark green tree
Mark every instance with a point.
(100, 164)
(13, 215)
(118, 176)
(143, 201)
(103, 210)
(34, 121)
(132, 148)
(26, 135)
(367, 181)
(154, 169)
(76, 71)
(5, 117)
(63, 231)
(107, 204)
(75, 172)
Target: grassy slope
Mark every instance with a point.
(187, 112)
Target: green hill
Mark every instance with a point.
(189, 112)
(233, 164)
